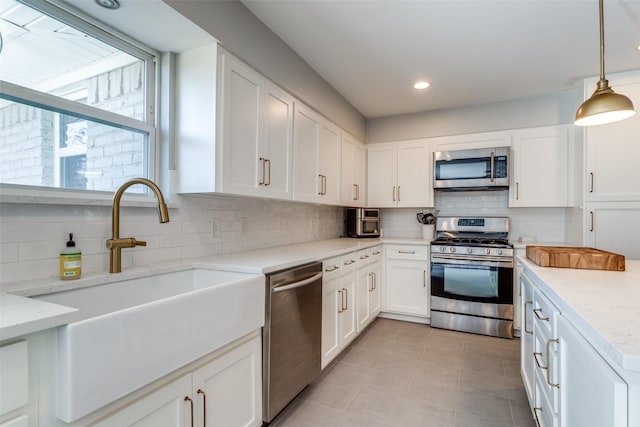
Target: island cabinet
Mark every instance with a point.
(407, 282)
(542, 173)
(223, 392)
(317, 148)
(568, 382)
(18, 390)
(399, 174)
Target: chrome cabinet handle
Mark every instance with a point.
(333, 268)
(375, 281)
(351, 261)
(535, 357)
(407, 252)
(341, 309)
(537, 311)
(517, 190)
(324, 184)
(398, 193)
(393, 193)
(346, 299)
(424, 278)
(262, 161)
(525, 317)
(376, 253)
(535, 414)
(591, 213)
(188, 399)
(370, 282)
(591, 186)
(321, 186)
(549, 341)
(364, 256)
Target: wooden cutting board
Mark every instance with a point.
(575, 257)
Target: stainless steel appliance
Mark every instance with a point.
(477, 169)
(291, 336)
(472, 276)
(362, 222)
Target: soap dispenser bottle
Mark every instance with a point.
(70, 261)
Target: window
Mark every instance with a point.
(76, 102)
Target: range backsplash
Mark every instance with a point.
(537, 224)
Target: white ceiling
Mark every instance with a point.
(472, 52)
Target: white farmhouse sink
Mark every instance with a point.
(135, 331)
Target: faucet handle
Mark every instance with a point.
(139, 242)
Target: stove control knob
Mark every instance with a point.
(452, 249)
(487, 251)
(470, 250)
(499, 251)
(442, 249)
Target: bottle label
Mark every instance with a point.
(70, 266)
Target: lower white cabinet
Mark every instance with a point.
(407, 280)
(592, 394)
(225, 392)
(369, 286)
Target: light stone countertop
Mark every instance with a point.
(20, 315)
(603, 305)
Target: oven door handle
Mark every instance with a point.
(465, 260)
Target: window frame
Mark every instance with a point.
(16, 193)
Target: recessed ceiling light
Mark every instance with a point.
(422, 85)
(109, 4)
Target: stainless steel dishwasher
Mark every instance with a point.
(291, 338)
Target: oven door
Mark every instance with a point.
(474, 281)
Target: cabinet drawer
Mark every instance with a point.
(376, 253)
(331, 268)
(420, 253)
(543, 410)
(545, 315)
(546, 367)
(349, 262)
(364, 257)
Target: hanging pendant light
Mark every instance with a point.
(604, 105)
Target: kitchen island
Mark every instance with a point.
(581, 344)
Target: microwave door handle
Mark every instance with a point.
(493, 159)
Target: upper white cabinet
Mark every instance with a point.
(316, 157)
(353, 159)
(613, 228)
(541, 168)
(255, 127)
(399, 174)
(471, 141)
(613, 151)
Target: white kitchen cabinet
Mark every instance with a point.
(399, 174)
(526, 336)
(613, 228)
(353, 166)
(255, 127)
(18, 379)
(471, 141)
(541, 170)
(224, 392)
(407, 280)
(613, 150)
(316, 158)
(338, 308)
(593, 395)
(368, 286)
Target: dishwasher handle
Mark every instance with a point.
(299, 284)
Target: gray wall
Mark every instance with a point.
(530, 112)
(240, 32)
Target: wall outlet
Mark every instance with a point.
(215, 227)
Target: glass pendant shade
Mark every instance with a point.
(604, 106)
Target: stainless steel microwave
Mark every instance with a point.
(477, 169)
(362, 222)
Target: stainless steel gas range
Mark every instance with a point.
(472, 276)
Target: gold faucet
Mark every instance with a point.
(115, 243)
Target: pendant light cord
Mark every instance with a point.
(601, 40)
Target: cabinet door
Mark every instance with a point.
(413, 174)
(592, 394)
(329, 163)
(352, 172)
(613, 151)
(306, 138)
(228, 390)
(613, 229)
(165, 407)
(363, 303)
(359, 173)
(375, 299)
(331, 311)
(540, 167)
(348, 321)
(241, 167)
(526, 335)
(406, 287)
(381, 172)
(276, 143)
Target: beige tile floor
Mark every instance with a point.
(404, 374)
